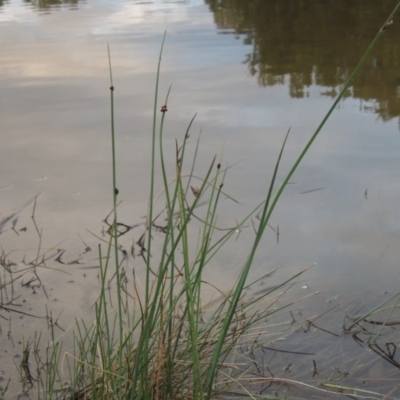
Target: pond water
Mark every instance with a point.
(250, 70)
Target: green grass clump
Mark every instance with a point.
(163, 341)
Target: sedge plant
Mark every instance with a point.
(163, 342)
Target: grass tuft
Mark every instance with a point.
(161, 339)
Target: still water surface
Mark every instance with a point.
(250, 70)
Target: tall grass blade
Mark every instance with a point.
(267, 210)
(153, 162)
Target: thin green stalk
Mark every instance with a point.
(162, 268)
(267, 211)
(187, 134)
(241, 282)
(378, 334)
(285, 182)
(366, 315)
(197, 387)
(149, 322)
(328, 114)
(353, 390)
(151, 197)
(169, 238)
(115, 193)
(209, 226)
(102, 311)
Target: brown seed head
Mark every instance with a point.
(195, 190)
(388, 24)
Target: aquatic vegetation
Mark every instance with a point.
(160, 339)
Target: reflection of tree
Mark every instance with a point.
(48, 4)
(2, 2)
(301, 42)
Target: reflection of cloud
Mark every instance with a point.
(150, 16)
(57, 46)
(47, 62)
(17, 12)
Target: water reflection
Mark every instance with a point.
(55, 140)
(300, 43)
(47, 5)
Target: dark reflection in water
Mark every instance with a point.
(319, 42)
(47, 5)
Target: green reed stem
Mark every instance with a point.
(169, 239)
(114, 231)
(148, 324)
(267, 210)
(151, 197)
(328, 114)
(197, 387)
